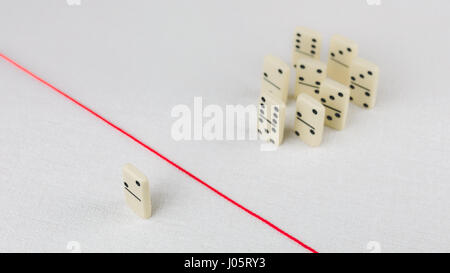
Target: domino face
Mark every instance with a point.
(307, 43)
(275, 77)
(363, 83)
(342, 53)
(309, 120)
(335, 97)
(136, 189)
(271, 118)
(310, 74)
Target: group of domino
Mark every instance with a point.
(322, 91)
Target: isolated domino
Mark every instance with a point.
(136, 189)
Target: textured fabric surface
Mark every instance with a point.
(379, 185)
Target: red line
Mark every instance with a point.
(162, 156)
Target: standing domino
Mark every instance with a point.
(363, 83)
(335, 97)
(310, 74)
(309, 120)
(271, 118)
(136, 188)
(275, 77)
(307, 43)
(342, 53)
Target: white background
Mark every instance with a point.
(385, 178)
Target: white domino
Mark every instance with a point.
(137, 192)
(275, 77)
(335, 97)
(363, 83)
(342, 53)
(307, 43)
(309, 75)
(271, 118)
(309, 120)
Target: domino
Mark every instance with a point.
(307, 43)
(309, 76)
(136, 188)
(363, 83)
(275, 77)
(271, 118)
(335, 97)
(342, 53)
(309, 122)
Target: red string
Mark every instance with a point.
(162, 156)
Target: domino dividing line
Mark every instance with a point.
(267, 222)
